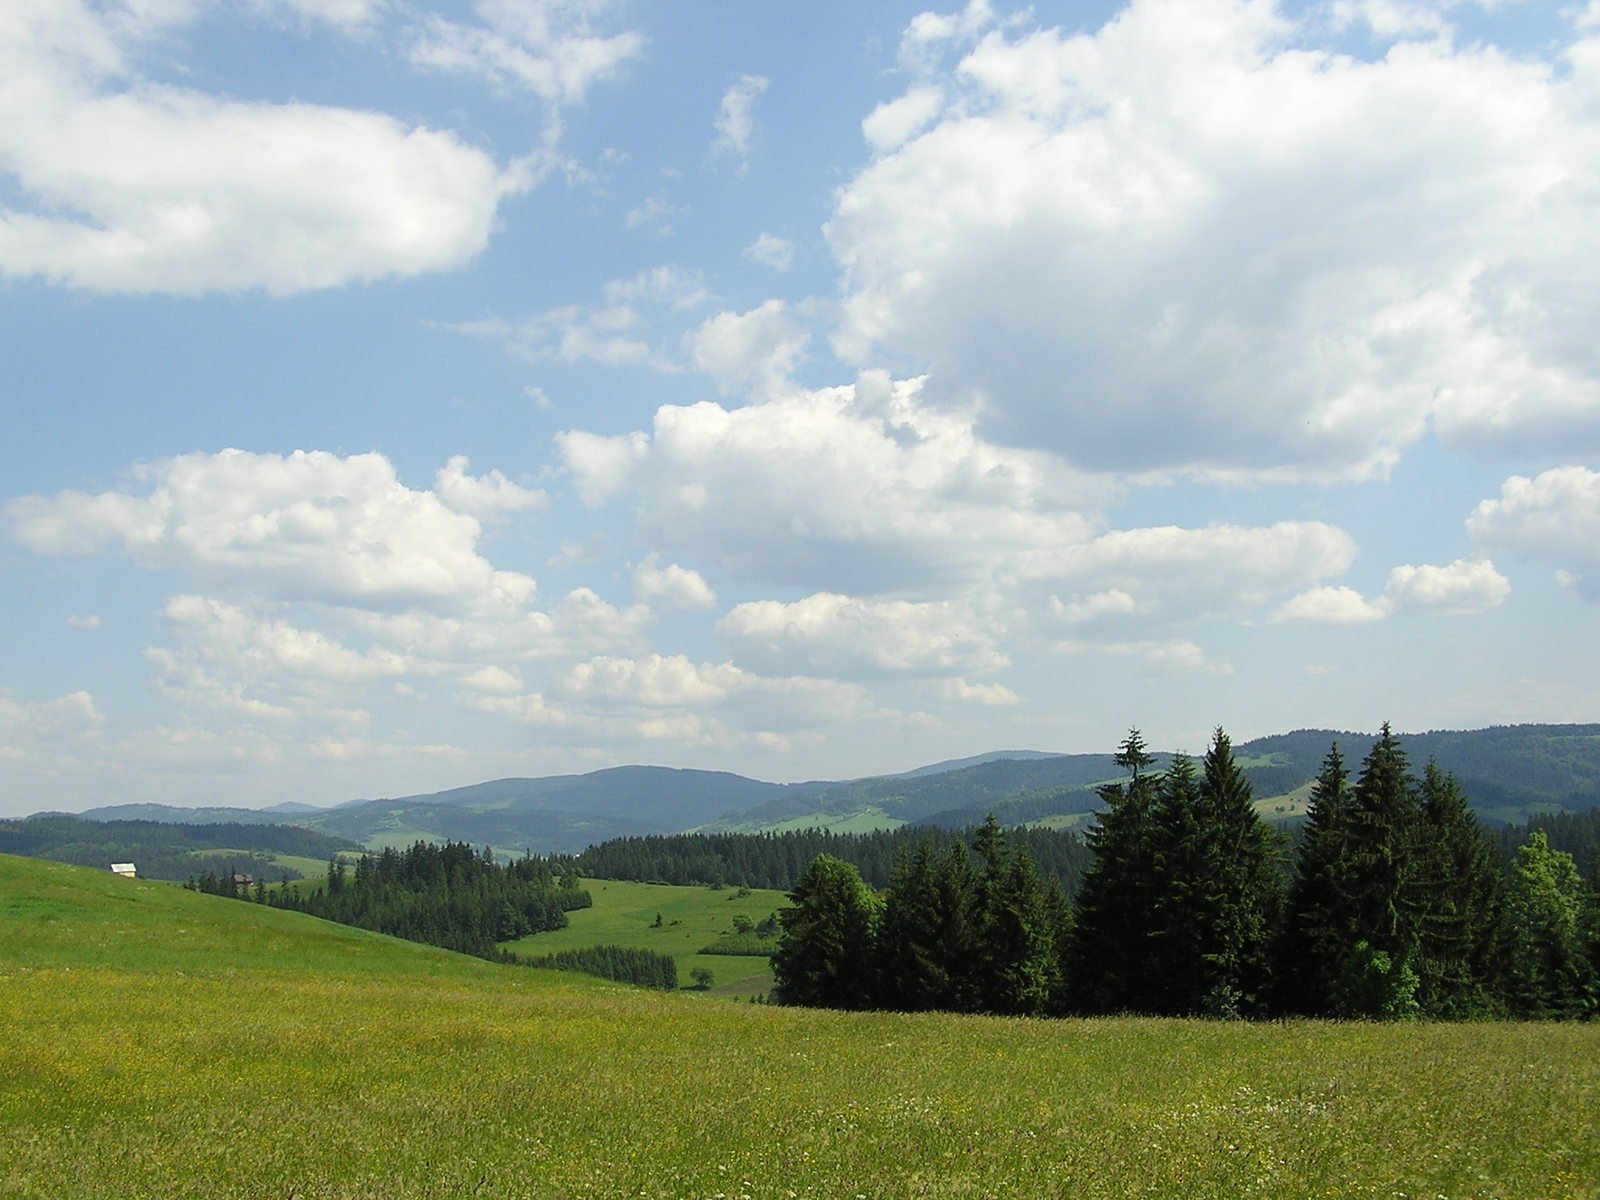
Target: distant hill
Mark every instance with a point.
(1509, 773)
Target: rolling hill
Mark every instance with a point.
(1509, 773)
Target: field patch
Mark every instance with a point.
(360, 1066)
(625, 914)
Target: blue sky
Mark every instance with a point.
(397, 396)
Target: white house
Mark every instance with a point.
(126, 869)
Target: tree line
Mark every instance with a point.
(446, 895)
(777, 860)
(1394, 904)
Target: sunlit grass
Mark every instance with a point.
(155, 1042)
(624, 914)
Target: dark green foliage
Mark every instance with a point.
(1458, 903)
(1217, 893)
(1316, 936)
(624, 964)
(1111, 955)
(164, 850)
(447, 895)
(825, 953)
(777, 860)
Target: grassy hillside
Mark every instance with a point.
(158, 1042)
(624, 914)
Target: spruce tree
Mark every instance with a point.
(1110, 956)
(825, 956)
(1317, 931)
(1458, 897)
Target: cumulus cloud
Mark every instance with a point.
(836, 631)
(1462, 588)
(736, 116)
(1210, 247)
(672, 583)
(893, 124)
(772, 251)
(308, 525)
(485, 496)
(865, 490)
(1552, 519)
(858, 489)
(752, 353)
(989, 695)
(127, 186)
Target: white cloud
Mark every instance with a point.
(857, 489)
(1332, 606)
(1464, 587)
(1207, 248)
(25, 724)
(735, 122)
(672, 583)
(754, 352)
(618, 331)
(990, 695)
(496, 681)
(677, 683)
(1177, 656)
(1552, 519)
(351, 16)
(305, 525)
(486, 496)
(865, 490)
(1113, 602)
(837, 631)
(601, 467)
(553, 50)
(85, 621)
(771, 251)
(127, 186)
(893, 124)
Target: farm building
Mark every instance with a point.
(126, 869)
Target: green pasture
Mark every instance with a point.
(157, 1042)
(624, 914)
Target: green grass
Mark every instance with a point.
(624, 915)
(156, 1042)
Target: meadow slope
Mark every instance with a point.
(159, 1042)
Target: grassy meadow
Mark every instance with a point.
(624, 914)
(156, 1042)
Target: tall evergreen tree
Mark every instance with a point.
(1110, 955)
(1218, 891)
(1457, 904)
(825, 953)
(1316, 933)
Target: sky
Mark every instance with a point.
(395, 396)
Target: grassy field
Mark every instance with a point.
(624, 914)
(156, 1042)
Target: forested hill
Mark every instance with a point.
(166, 850)
(1508, 773)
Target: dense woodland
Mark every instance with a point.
(449, 895)
(165, 850)
(777, 860)
(1394, 904)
